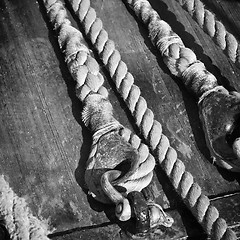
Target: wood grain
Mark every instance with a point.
(44, 145)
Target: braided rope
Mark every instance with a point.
(85, 71)
(214, 28)
(18, 219)
(182, 181)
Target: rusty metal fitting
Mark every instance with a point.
(147, 215)
(140, 212)
(220, 115)
(158, 217)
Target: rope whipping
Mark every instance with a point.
(17, 217)
(214, 28)
(191, 193)
(85, 71)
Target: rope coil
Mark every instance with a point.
(183, 182)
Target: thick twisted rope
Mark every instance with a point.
(18, 219)
(85, 71)
(214, 28)
(182, 181)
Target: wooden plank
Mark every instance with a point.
(39, 153)
(44, 145)
(229, 209)
(103, 231)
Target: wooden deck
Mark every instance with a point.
(44, 144)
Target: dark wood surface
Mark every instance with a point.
(44, 144)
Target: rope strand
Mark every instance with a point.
(214, 28)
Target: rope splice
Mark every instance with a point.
(114, 168)
(110, 151)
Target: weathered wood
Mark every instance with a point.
(44, 145)
(177, 231)
(227, 12)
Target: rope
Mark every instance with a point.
(214, 28)
(18, 219)
(85, 71)
(182, 62)
(182, 181)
